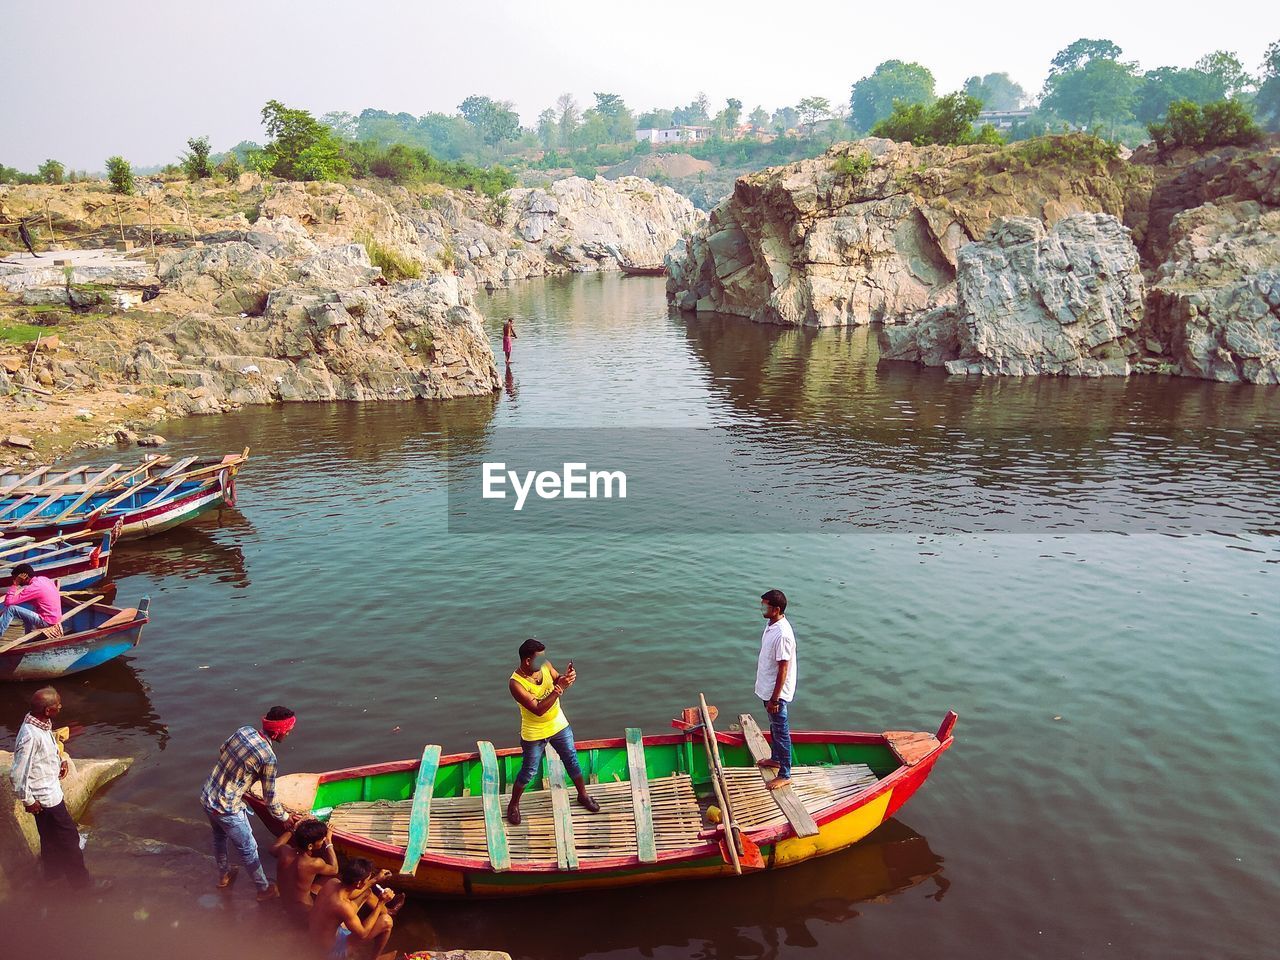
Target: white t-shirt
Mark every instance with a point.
(778, 642)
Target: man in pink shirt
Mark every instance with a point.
(41, 592)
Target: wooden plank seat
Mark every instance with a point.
(754, 804)
(493, 810)
(457, 824)
(641, 802)
(562, 813)
(784, 796)
(420, 809)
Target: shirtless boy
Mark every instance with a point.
(334, 922)
(307, 858)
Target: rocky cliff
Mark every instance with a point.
(258, 292)
(1050, 256)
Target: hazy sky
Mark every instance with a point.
(84, 80)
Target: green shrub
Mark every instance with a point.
(120, 174)
(852, 168)
(229, 167)
(395, 265)
(947, 120)
(195, 162)
(51, 171)
(1223, 123)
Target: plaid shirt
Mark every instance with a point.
(246, 756)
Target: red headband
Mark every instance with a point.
(278, 728)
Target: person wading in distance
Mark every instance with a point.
(776, 682)
(508, 334)
(537, 688)
(246, 757)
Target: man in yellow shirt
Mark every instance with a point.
(537, 688)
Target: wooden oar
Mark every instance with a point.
(717, 782)
(23, 481)
(89, 488)
(36, 491)
(66, 617)
(18, 544)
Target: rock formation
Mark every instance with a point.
(19, 841)
(869, 230)
(994, 259)
(1067, 300)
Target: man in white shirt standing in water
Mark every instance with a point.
(776, 682)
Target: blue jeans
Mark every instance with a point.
(235, 827)
(29, 617)
(780, 732)
(563, 744)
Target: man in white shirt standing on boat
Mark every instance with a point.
(776, 682)
(37, 772)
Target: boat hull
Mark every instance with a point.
(451, 877)
(82, 567)
(74, 652)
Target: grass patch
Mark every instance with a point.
(16, 332)
(395, 265)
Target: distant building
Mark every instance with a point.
(1002, 120)
(682, 134)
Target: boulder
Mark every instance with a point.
(1063, 301)
(19, 842)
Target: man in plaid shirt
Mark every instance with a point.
(246, 757)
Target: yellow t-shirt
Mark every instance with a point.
(532, 726)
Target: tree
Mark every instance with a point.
(1225, 67)
(120, 174)
(1163, 85)
(495, 121)
(997, 91)
(195, 162)
(727, 120)
(51, 171)
(1099, 92)
(655, 120)
(342, 123)
(1079, 54)
(1220, 124)
(620, 126)
(813, 109)
(547, 131)
(1267, 99)
(759, 119)
(947, 120)
(569, 117)
(696, 113)
(300, 146)
(785, 118)
(873, 96)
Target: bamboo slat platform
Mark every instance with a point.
(457, 824)
(817, 787)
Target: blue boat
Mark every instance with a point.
(93, 633)
(142, 505)
(73, 563)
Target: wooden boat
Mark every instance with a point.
(73, 562)
(46, 480)
(140, 507)
(631, 270)
(439, 821)
(93, 633)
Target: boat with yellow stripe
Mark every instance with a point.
(689, 805)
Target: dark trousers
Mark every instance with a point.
(60, 852)
(780, 734)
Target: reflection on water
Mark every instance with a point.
(754, 917)
(1072, 810)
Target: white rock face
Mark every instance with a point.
(868, 232)
(1215, 305)
(1063, 301)
(584, 225)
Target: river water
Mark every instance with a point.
(1112, 792)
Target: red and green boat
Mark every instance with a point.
(689, 805)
